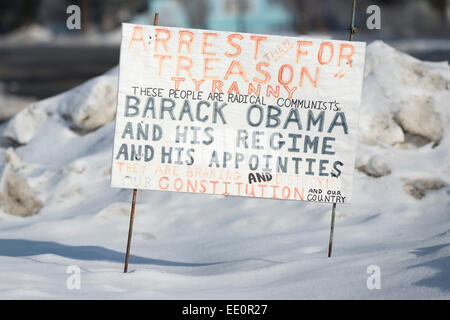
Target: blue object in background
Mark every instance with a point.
(254, 16)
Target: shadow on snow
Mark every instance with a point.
(26, 248)
(441, 279)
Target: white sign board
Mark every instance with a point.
(237, 114)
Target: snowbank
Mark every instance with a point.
(197, 246)
(84, 108)
(402, 96)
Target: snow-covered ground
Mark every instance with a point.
(58, 210)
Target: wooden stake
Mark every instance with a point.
(333, 211)
(133, 203)
(330, 244)
(130, 230)
(352, 23)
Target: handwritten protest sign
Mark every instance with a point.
(237, 114)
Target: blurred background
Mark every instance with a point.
(41, 57)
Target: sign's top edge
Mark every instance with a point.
(360, 43)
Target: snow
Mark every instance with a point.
(199, 246)
(84, 108)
